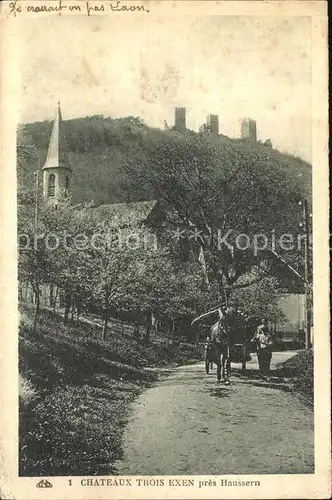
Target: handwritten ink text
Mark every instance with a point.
(125, 8)
(89, 7)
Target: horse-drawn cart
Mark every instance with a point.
(239, 353)
(228, 341)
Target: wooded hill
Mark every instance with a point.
(100, 148)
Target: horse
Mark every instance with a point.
(221, 349)
(218, 349)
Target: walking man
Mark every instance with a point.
(264, 344)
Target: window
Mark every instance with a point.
(67, 182)
(51, 185)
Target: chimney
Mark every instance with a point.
(212, 122)
(249, 130)
(180, 119)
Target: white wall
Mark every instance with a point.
(293, 306)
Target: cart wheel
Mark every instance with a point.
(207, 366)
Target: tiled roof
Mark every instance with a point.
(134, 213)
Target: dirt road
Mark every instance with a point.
(188, 424)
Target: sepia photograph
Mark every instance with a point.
(167, 320)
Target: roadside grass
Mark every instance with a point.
(300, 369)
(27, 392)
(75, 393)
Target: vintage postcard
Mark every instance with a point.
(164, 250)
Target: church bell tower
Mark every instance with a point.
(57, 173)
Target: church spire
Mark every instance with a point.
(57, 150)
(57, 172)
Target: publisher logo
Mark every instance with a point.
(44, 484)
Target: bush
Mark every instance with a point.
(65, 434)
(301, 368)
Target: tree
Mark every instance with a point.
(70, 234)
(227, 192)
(33, 262)
(26, 155)
(260, 300)
(169, 290)
(47, 251)
(117, 262)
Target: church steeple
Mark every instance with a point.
(57, 173)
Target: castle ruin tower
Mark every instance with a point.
(212, 123)
(249, 130)
(180, 119)
(57, 173)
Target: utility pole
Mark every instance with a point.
(305, 225)
(37, 196)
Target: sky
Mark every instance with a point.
(233, 66)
